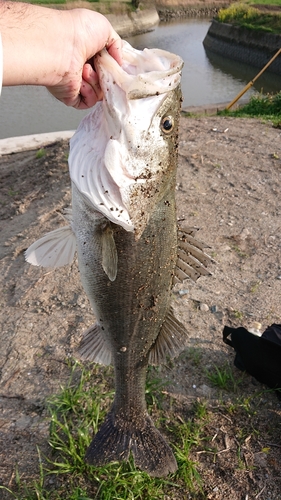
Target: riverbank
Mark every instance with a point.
(134, 23)
(242, 44)
(127, 22)
(176, 10)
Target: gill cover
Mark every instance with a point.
(115, 153)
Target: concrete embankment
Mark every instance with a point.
(174, 9)
(248, 46)
(134, 23)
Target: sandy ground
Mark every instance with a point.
(229, 187)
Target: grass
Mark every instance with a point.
(266, 106)
(249, 17)
(263, 2)
(223, 378)
(40, 153)
(105, 7)
(75, 414)
(192, 430)
(47, 2)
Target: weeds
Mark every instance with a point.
(153, 390)
(194, 355)
(255, 286)
(12, 193)
(75, 414)
(40, 153)
(78, 410)
(260, 106)
(223, 378)
(264, 2)
(190, 434)
(251, 18)
(238, 315)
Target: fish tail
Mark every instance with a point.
(115, 440)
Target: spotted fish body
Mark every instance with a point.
(123, 162)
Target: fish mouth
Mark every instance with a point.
(143, 73)
(110, 158)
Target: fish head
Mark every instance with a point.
(138, 137)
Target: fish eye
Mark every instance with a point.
(167, 124)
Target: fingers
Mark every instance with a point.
(114, 48)
(90, 76)
(82, 91)
(90, 91)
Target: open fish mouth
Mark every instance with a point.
(116, 150)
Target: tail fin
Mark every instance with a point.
(115, 440)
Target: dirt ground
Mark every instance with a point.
(229, 183)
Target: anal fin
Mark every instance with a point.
(170, 341)
(94, 347)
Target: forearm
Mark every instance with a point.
(31, 38)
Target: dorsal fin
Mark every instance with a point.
(192, 260)
(170, 341)
(55, 249)
(94, 347)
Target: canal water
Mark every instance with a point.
(207, 79)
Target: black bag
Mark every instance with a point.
(259, 356)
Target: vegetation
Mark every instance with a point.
(192, 429)
(243, 15)
(263, 2)
(75, 414)
(40, 153)
(103, 6)
(266, 106)
(222, 377)
(63, 2)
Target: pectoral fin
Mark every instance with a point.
(55, 249)
(170, 341)
(192, 260)
(94, 346)
(109, 253)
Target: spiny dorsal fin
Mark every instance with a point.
(109, 253)
(170, 341)
(94, 347)
(188, 234)
(192, 260)
(55, 249)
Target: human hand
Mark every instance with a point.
(55, 48)
(91, 32)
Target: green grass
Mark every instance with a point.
(267, 107)
(264, 2)
(47, 2)
(223, 378)
(75, 414)
(251, 18)
(40, 153)
(191, 429)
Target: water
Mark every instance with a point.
(207, 79)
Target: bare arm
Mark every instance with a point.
(54, 48)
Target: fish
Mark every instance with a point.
(123, 225)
